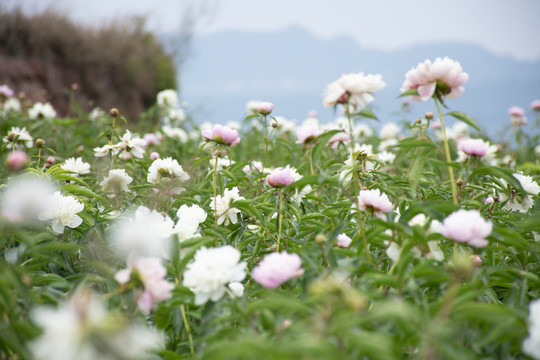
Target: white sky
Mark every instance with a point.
(506, 27)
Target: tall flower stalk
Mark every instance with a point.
(447, 153)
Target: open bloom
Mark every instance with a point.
(211, 271)
(280, 177)
(151, 273)
(21, 137)
(62, 211)
(117, 181)
(343, 241)
(443, 75)
(356, 90)
(221, 135)
(374, 199)
(25, 198)
(517, 116)
(307, 133)
(265, 108)
(40, 110)
(167, 99)
(222, 206)
(76, 166)
(531, 345)
(535, 105)
(129, 144)
(518, 202)
(277, 268)
(466, 226)
(476, 147)
(169, 169)
(339, 138)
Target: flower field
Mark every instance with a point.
(170, 238)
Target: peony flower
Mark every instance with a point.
(476, 147)
(24, 198)
(389, 131)
(10, 105)
(151, 138)
(466, 226)
(21, 137)
(81, 328)
(373, 199)
(277, 268)
(96, 114)
(6, 91)
(76, 166)
(116, 182)
(531, 344)
(222, 162)
(222, 206)
(170, 169)
(339, 138)
(208, 274)
(167, 99)
(129, 145)
(236, 289)
(280, 177)
(535, 105)
(307, 133)
(252, 107)
(175, 115)
(444, 76)
(154, 156)
(192, 213)
(144, 233)
(16, 160)
(356, 90)
(40, 110)
(343, 241)
(175, 133)
(265, 108)
(254, 165)
(62, 211)
(103, 151)
(221, 135)
(386, 156)
(517, 116)
(151, 273)
(518, 203)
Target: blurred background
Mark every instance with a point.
(221, 54)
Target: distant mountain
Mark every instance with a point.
(291, 68)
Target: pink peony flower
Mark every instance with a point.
(51, 160)
(517, 116)
(151, 138)
(265, 108)
(306, 133)
(375, 200)
(516, 111)
(477, 147)
(489, 200)
(16, 160)
(276, 268)
(535, 105)
(443, 75)
(221, 135)
(279, 178)
(154, 155)
(354, 89)
(435, 124)
(343, 241)
(6, 91)
(339, 138)
(151, 273)
(467, 226)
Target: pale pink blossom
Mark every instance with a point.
(151, 138)
(535, 105)
(443, 75)
(343, 241)
(6, 91)
(279, 178)
(489, 200)
(151, 273)
(277, 268)
(374, 199)
(154, 155)
(356, 90)
(516, 111)
(476, 260)
(339, 138)
(435, 124)
(477, 147)
(16, 160)
(265, 108)
(221, 135)
(307, 133)
(467, 226)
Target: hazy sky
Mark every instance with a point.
(501, 26)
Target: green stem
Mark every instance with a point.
(188, 329)
(349, 118)
(38, 158)
(279, 221)
(215, 192)
(447, 152)
(311, 159)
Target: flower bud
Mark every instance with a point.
(320, 238)
(40, 143)
(114, 112)
(265, 108)
(154, 155)
(51, 160)
(460, 182)
(274, 124)
(16, 160)
(428, 115)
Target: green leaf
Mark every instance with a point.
(409, 93)
(367, 113)
(81, 190)
(464, 118)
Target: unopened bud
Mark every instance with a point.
(274, 124)
(460, 182)
(418, 121)
(320, 239)
(51, 160)
(113, 112)
(265, 108)
(16, 160)
(40, 143)
(428, 115)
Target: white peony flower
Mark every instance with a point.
(175, 115)
(117, 181)
(129, 145)
(25, 198)
(40, 110)
(23, 137)
(236, 289)
(175, 133)
(170, 169)
(390, 130)
(386, 156)
(531, 345)
(210, 272)
(10, 105)
(356, 90)
(145, 233)
(222, 163)
(96, 114)
(82, 329)
(222, 206)
(191, 213)
(167, 99)
(76, 166)
(517, 203)
(62, 211)
(103, 151)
